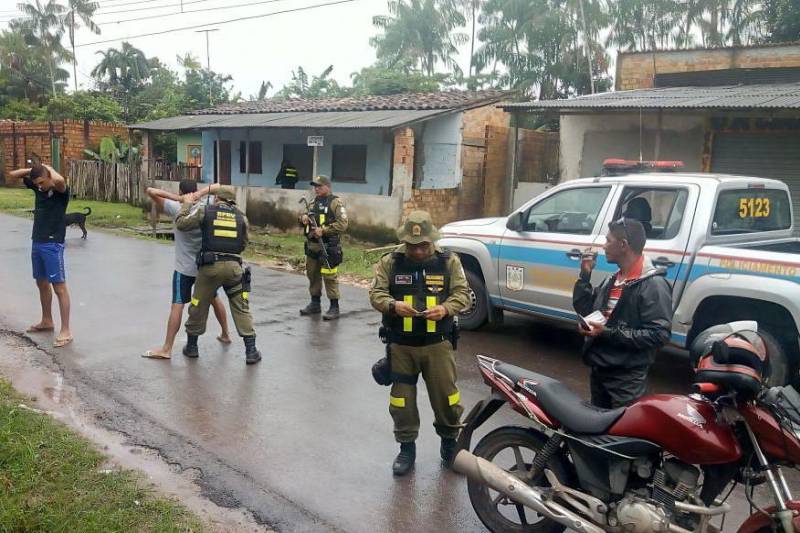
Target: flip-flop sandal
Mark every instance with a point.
(60, 343)
(224, 341)
(152, 354)
(38, 329)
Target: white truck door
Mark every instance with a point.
(538, 265)
(667, 212)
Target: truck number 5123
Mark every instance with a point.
(754, 207)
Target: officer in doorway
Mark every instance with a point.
(420, 290)
(287, 175)
(324, 224)
(224, 229)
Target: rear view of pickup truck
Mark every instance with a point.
(725, 242)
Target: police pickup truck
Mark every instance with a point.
(726, 243)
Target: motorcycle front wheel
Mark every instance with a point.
(513, 449)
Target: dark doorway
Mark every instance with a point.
(225, 162)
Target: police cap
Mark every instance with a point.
(418, 228)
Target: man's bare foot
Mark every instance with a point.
(157, 354)
(62, 340)
(224, 339)
(41, 326)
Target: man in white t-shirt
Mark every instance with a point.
(187, 245)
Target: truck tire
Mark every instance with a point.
(779, 365)
(477, 313)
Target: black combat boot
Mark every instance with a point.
(251, 353)
(314, 308)
(404, 461)
(333, 311)
(448, 451)
(191, 350)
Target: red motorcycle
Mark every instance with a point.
(660, 464)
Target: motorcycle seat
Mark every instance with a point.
(574, 413)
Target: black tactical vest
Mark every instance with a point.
(421, 285)
(223, 230)
(320, 210)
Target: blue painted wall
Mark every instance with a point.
(379, 155)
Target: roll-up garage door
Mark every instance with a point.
(764, 155)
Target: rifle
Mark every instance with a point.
(324, 249)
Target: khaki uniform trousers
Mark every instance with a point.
(317, 272)
(228, 275)
(437, 365)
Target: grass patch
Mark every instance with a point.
(286, 247)
(51, 480)
(104, 214)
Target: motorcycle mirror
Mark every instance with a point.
(720, 353)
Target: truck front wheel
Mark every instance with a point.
(778, 360)
(476, 314)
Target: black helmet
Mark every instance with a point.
(732, 356)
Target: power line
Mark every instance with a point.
(194, 11)
(215, 23)
(148, 8)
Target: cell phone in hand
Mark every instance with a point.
(595, 318)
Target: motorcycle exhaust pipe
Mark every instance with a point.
(482, 471)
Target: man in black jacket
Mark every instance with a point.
(636, 306)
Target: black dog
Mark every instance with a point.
(79, 219)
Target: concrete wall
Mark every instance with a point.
(372, 218)
(587, 140)
(636, 70)
(440, 163)
(185, 139)
(379, 151)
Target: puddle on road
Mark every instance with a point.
(34, 375)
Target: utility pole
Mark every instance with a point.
(208, 62)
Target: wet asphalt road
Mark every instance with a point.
(304, 438)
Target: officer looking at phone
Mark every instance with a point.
(625, 319)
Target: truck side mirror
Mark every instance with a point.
(516, 221)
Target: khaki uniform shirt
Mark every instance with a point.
(189, 219)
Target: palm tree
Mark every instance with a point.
(420, 31)
(84, 11)
(189, 61)
(43, 25)
(124, 71)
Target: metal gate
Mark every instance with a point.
(762, 154)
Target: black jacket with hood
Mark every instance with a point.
(640, 324)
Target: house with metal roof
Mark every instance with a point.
(418, 148)
(728, 110)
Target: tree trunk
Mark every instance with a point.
(51, 67)
(472, 41)
(72, 42)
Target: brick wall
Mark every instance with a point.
(18, 140)
(636, 70)
(496, 170)
(442, 204)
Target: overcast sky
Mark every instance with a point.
(252, 51)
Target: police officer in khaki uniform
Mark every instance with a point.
(324, 223)
(420, 290)
(224, 229)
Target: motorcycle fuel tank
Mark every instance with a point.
(683, 426)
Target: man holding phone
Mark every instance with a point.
(47, 250)
(626, 319)
(420, 290)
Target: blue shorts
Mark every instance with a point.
(182, 288)
(47, 260)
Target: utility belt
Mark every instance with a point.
(382, 369)
(209, 258)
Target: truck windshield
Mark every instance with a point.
(751, 210)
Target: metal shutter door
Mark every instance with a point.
(764, 155)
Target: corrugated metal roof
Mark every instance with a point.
(770, 96)
(330, 119)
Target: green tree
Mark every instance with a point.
(303, 86)
(79, 12)
(782, 20)
(124, 69)
(639, 26)
(84, 105)
(43, 27)
(401, 79)
(24, 73)
(420, 32)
